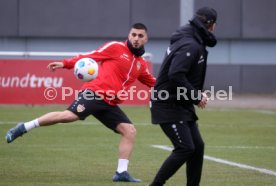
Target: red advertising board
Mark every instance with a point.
(30, 82)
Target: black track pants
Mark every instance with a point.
(188, 148)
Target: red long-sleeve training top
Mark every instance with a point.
(118, 69)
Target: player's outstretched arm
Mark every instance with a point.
(55, 65)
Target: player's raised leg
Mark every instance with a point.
(50, 118)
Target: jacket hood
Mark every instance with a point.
(183, 31)
(197, 30)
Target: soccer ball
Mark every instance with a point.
(86, 69)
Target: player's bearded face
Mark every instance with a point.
(137, 37)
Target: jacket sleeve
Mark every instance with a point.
(179, 69)
(146, 77)
(101, 54)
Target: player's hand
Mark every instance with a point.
(55, 65)
(202, 104)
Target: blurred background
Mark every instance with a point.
(245, 57)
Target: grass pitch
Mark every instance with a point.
(85, 152)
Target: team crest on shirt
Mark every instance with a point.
(80, 108)
(138, 65)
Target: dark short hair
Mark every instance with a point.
(139, 26)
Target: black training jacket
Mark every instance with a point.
(181, 76)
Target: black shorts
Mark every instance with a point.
(88, 103)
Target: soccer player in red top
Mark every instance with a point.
(120, 64)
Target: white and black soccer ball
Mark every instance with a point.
(86, 69)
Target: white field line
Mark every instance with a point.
(241, 147)
(226, 162)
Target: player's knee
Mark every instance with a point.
(127, 130)
(68, 116)
(132, 130)
(190, 149)
(185, 150)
